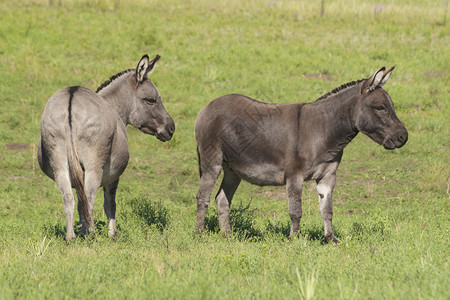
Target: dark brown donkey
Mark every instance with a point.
(287, 144)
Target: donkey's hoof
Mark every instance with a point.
(293, 235)
(226, 233)
(70, 239)
(332, 239)
(199, 230)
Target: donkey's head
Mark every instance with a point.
(148, 113)
(374, 113)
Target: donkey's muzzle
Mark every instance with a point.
(397, 140)
(166, 133)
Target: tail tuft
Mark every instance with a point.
(199, 163)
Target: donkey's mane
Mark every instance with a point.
(340, 88)
(111, 79)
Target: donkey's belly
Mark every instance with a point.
(118, 156)
(260, 174)
(114, 167)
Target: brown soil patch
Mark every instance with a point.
(273, 193)
(434, 74)
(17, 146)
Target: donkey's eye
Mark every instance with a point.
(149, 100)
(380, 108)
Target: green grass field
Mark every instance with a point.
(391, 208)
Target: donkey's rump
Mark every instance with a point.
(79, 114)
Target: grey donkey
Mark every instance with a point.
(83, 143)
(287, 144)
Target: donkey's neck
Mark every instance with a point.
(118, 94)
(333, 121)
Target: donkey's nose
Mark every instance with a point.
(170, 126)
(402, 137)
(172, 129)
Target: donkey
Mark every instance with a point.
(287, 144)
(83, 143)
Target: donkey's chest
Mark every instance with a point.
(318, 171)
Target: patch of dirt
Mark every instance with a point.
(322, 76)
(17, 146)
(434, 74)
(274, 193)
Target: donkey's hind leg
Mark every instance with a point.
(210, 161)
(92, 181)
(62, 179)
(224, 196)
(110, 206)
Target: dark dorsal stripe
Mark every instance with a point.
(342, 87)
(72, 91)
(111, 79)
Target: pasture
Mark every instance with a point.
(391, 208)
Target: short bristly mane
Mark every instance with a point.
(338, 89)
(111, 79)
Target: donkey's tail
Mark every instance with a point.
(78, 179)
(199, 163)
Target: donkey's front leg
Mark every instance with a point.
(325, 188)
(294, 187)
(110, 206)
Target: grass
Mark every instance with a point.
(390, 207)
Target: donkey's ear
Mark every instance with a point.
(375, 79)
(141, 69)
(145, 67)
(386, 76)
(152, 64)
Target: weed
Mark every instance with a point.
(150, 214)
(242, 221)
(38, 248)
(55, 229)
(307, 284)
(282, 229)
(375, 226)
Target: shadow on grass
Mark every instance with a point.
(242, 218)
(310, 232)
(58, 230)
(242, 221)
(142, 211)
